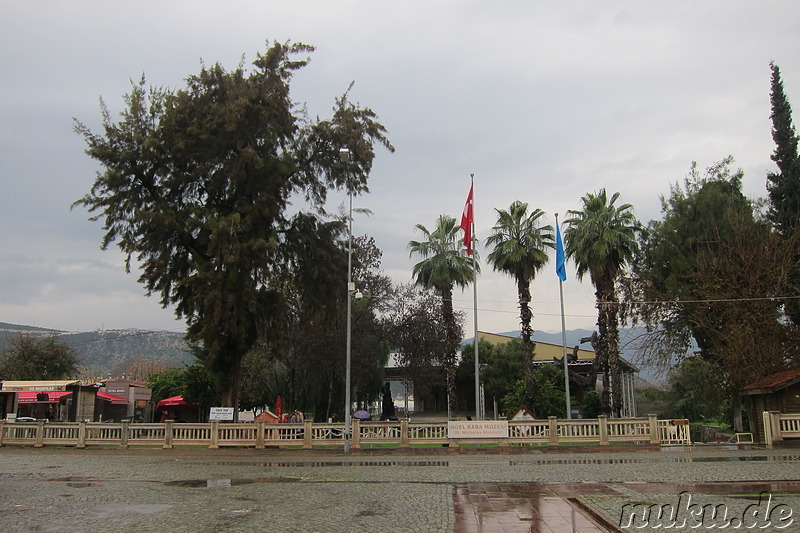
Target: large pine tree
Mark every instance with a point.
(784, 185)
(197, 187)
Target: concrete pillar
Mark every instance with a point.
(602, 421)
(81, 435)
(214, 435)
(655, 434)
(39, 434)
(553, 425)
(260, 436)
(123, 443)
(307, 435)
(404, 433)
(168, 435)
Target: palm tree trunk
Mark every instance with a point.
(607, 323)
(525, 319)
(451, 335)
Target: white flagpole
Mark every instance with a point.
(564, 339)
(478, 413)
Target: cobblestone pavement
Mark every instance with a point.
(58, 489)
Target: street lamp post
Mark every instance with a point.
(344, 155)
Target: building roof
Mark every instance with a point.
(546, 351)
(42, 386)
(772, 383)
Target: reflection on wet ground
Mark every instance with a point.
(580, 507)
(316, 464)
(655, 458)
(516, 507)
(567, 507)
(216, 483)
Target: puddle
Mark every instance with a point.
(744, 489)
(747, 458)
(511, 507)
(222, 483)
(76, 482)
(652, 459)
(655, 459)
(316, 464)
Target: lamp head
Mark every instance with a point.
(344, 155)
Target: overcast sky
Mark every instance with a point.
(542, 101)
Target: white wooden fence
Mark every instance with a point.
(780, 426)
(552, 432)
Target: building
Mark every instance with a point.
(582, 369)
(138, 407)
(59, 401)
(582, 376)
(777, 392)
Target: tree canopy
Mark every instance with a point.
(712, 270)
(602, 239)
(31, 357)
(443, 267)
(784, 186)
(196, 188)
(519, 248)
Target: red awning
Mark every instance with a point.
(53, 396)
(115, 400)
(175, 401)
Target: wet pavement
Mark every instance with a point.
(516, 507)
(57, 489)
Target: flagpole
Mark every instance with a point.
(559, 262)
(478, 413)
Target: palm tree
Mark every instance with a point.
(601, 239)
(520, 244)
(444, 266)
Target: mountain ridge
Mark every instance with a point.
(112, 352)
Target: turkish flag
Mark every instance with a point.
(467, 221)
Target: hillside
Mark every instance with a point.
(110, 352)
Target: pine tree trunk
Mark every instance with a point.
(230, 393)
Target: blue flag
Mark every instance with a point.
(561, 260)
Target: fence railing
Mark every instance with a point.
(552, 432)
(779, 426)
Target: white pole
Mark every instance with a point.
(344, 155)
(564, 342)
(478, 413)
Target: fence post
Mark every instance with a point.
(168, 435)
(553, 424)
(124, 440)
(39, 434)
(404, 433)
(765, 420)
(81, 435)
(260, 435)
(777, 434)
(214, 435)
(355, 434)
(655, 434)
(602, 430)
(308, 441)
